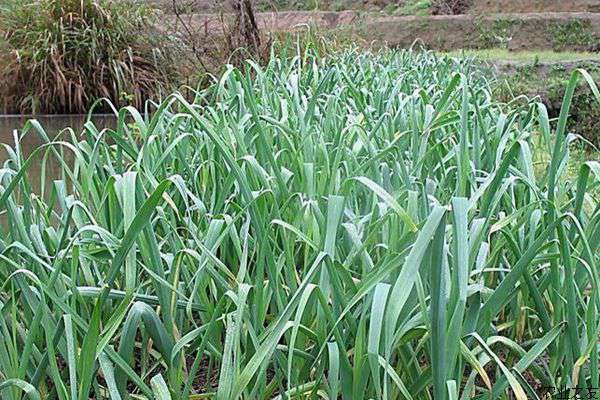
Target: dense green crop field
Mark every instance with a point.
(367, 226)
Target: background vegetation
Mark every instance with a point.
(548, 81)
(60, 56)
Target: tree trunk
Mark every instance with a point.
(245, 23)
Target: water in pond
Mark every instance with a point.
(53, 125)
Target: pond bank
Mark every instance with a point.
(559, 31)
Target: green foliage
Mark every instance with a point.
(496, 33)
(61, 55)
(549, 83)
(585, 118)
(308, 5)
(414, 7)
(310, 38)
(357, 226)
(574, 33)
(527, 57)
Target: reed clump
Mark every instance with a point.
(59, 56)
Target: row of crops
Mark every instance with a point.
(367, 226)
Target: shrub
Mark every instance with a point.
(450, 7)
(585, 118)
(549, 83)
(59, 56)
(574, 34)
(236, 38)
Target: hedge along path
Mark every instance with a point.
(360, 226)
